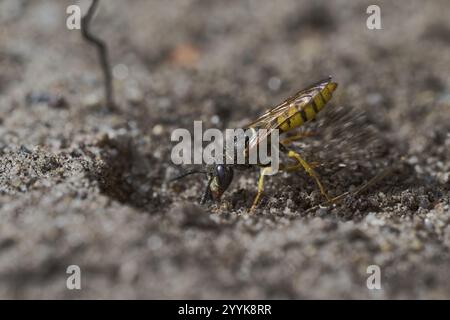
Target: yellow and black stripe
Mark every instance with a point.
(293, 112)
(305, 106)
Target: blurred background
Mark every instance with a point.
(81, 186)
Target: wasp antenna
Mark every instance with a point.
(181, 176)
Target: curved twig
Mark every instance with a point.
(102, 51)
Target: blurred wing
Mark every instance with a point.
(343, 139)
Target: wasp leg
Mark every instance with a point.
(360, 189)
(309, 169)
(264, 171)
(380, 176)
(297, 137)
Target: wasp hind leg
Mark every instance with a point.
(308, 168)
(264, 171)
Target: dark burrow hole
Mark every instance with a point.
(129, 174)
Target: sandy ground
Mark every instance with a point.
(82, 186)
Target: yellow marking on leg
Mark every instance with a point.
(263, 172)
(297, 166)
(309, 170)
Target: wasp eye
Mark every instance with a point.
(224, 175)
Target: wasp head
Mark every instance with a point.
(219, 179)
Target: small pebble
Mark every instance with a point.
(92, 100)
(52, 100)
(120, 71)
(134, 95)
(374, 98)
(322, 212)
(274, 83)
(215, 119)
(424, 203)
(157, 130)
(428, 224)
(25, 149)
(416, 244)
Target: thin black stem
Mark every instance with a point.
(102, 51)
(181, 176)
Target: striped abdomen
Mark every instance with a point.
(305, 107)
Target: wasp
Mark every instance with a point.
(291, 114)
